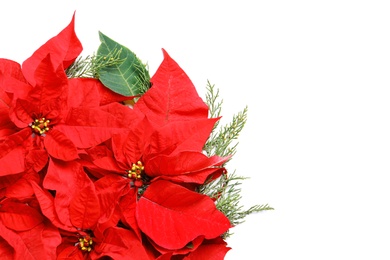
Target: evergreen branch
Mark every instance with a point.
(220, 141)
(214, 188)
(143, 78)
(226, 190)
(211, 100)
(90, 66)
(229, 202)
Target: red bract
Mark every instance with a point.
(115, 243)
(19, 216)
(185, 215)
(172, 97)
(121, 244)
(42, 241)
(168, 137)
(76, 203)
(86, 216)
(84, 176)
(164, 144)
(25, 233)
(180, 116)
(49, 114)
(64, 49)
(215, 249)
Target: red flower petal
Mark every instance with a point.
(127, 205)
(67, 179)
(12, 152)
(64, 49)
(103, 224)
(181, 163)
(42, 241)
(6, 181)
(19, 216)
(59, 146)
(89, 127)
(12, 79)
(6, 125)
(129, 147)
(167, 256)
(172, 97)
(107, 96)
(124, 114)
(15, 241)
(46, 203)
(6, 251)
(76, 201)
(13, 162)
(83, 92)
(5, 102)
(50, 90)
(181, 136)
(120, 244)
(215, 249)
(109, 189)
(10, 142)
(109, 164)
(172, 216)
(193, 245)
(36, 159)
(84, 208)
(194, 177)
(11, 68)
(21, 113)
(21, 189)
(70, 253)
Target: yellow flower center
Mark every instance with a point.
(40, 126)
(85, 244)
(136, 171)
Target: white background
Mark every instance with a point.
(315, 76)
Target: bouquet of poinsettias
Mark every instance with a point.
(100, 160)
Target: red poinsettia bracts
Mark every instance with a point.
(166, 130)
(88, 229)
(49, 114)
(162, 152)
(64, 49)
(176, 207)
(84, 176)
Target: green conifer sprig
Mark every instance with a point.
(215, 105)
(222, 138)
(230, 198)
(89, 66)
(226, 190)
(143, 77)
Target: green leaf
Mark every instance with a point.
(129, 77)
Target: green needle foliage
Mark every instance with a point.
(222, 138)
(90, 66)
(226, 190)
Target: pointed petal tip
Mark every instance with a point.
(165, 53)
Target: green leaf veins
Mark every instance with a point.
(130, 77)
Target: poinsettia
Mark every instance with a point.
(25, 232)
(88, 231)
(166, 136)
(214, 248)
(186, 215)
(108, 166)
(164, 144)
(37, 243)
(49, 114)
